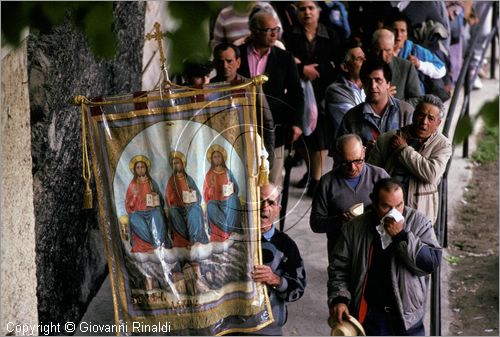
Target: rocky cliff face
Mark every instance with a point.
(70, 256)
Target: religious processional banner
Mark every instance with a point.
(176, 176)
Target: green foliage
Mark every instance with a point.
(452, 259)
(463, 129)
(487, 149)
(93, 18)
(191, 38)
(489, 114)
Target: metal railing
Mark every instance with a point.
(465, 80)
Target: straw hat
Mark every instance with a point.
(138, 158)
(218, 148)
(349, 327)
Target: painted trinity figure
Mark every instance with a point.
(220, 191)
(144, 205)
(183, 199)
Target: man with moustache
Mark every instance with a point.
(227, 61)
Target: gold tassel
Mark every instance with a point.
(87, 197)
(263, 179)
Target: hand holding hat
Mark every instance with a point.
(348, 327)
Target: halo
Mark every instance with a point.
(212, 149)
(137, 158)
(177, 154)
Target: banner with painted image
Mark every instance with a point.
(176, 175)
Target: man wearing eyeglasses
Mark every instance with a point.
(348, 184)
(283, 90)
(283, 269)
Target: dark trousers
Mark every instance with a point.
(381, 322)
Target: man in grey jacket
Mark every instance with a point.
(416, 155)
(381, 266)
(346, 92)
(404, 81)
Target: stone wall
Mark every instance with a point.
(70, 256)
(17, 222)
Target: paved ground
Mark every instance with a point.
(309, 315)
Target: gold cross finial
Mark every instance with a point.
(158, 36)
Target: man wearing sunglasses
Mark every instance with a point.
(348, 184)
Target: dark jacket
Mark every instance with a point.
(283, 91)
(405, 78)
(323, 50)
(359, 121)
(283, 256)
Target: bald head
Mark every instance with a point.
(383, 44)
(349, 143)
(351, 155)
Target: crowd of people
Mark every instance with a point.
(373, 77)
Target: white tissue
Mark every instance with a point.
(384, 236)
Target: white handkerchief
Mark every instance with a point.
(395, 214)
(384, 236)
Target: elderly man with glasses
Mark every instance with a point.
(345, 191)
(283, 90)
(283, 269)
